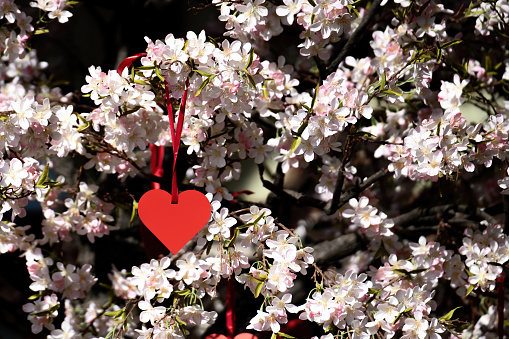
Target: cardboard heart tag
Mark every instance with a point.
(174, 224)
(238, 336)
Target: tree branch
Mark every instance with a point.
(505, 198)
(333, 250)
(339, 198)
(336, 202)
(294, 197)
(354, 192)
(448, 211)
(333, 205)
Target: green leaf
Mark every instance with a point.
(265, 93)
(258, 289)
(135, 209)
(424, 57)
(470, 289)
(401, 314)
(44, 176)
(233, 239)
(180, 321)
(383, 81)
(83, 127)
(391, 92)
(115, 314)
(141, 82)
(250, 59)
(203, 84)
(182, 293)
(54, 184)
(182, 329)
(255, 223)
(34, 296)
(439, 55)
(352, 10)
(250, 78)
(329, 328)
(273, 336)
(450, 43)
(295, 143)
(315, 95)
(209, 247)
(284, 335)
(159, 75)
(401, 272)
(487, 63)
(41, 31)
(47, 312)
(448, 316)
(205, 74)
(259, 280)
(214, 41)
(145, 68)
(364, 134)
(106, 286)
(374, 291)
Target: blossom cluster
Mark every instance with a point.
(323, 22)
(193, 277)
(486, 254)
(443, 143)
(18, 25)
(67, 280)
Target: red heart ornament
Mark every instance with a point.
(174, 224)
(238, 336)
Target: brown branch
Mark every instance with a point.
(505, 198)
(108, 148)
(294, 197)
(444, 211)
(333, 205)
(354, 192)
(332, 250)
(339, 198)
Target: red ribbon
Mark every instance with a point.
(156, 163)
(156, 159)
(128, 62)
(175, 135)
(500, 304)
(230, 308)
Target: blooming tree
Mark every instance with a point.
(371, 114)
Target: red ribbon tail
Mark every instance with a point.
(500, 304)
(230, 308)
